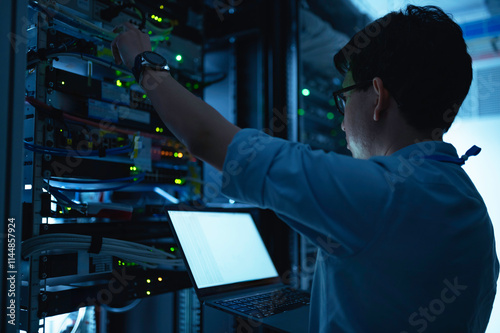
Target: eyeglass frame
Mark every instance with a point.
(338, 94)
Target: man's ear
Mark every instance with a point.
(383, 98)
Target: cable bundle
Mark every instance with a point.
(143, 255)
(71, 152)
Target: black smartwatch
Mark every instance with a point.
(149, 59)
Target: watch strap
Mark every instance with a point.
(139, 65)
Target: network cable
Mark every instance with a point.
(143, 255)
(83, 186)
(72, 152)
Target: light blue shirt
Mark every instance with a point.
(405, 242)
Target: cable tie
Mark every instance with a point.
(95, 245)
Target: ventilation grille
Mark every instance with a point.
(489, 91)
(484, 94)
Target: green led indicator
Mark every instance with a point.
(306, 92)
(172, 249)
(188, 84)
(63, 83)
(196, 86)
(178, 181)
(331, 102)
(148, 281)
(118, 73)
(150, 32)
(330, 115)
(61, 130)
(178, 57)
(148, 293)
(157, 130)
(160, 19)
(119, 83)
(301, 112)
(144, 96)
(176, 154)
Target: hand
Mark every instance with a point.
(128, 44)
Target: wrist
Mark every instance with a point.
(150, 78)
(148, 59)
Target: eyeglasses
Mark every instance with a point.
(340, 99)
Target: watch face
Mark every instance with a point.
(154, 58)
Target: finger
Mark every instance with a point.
(116, 51)
(131, 27)
(119, 29)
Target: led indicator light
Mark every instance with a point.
(306, 92)
(119, 83)
(63, 83)
(160, 279)
(148, 293)
(178, 57)
(301, 112)
(172, 249)
(330, 115)
(179, 155)
(148, 281)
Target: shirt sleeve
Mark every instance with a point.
(336, 201)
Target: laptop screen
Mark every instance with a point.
(222, 247)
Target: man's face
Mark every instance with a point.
(358, 119)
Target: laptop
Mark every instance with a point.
(231, 269)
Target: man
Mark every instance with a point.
(405, 241)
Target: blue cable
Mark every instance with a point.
(63, 152)
(115, 180)
(64, 199)
(140, 178)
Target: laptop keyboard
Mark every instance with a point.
(267, 304)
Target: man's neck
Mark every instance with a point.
(400, 139)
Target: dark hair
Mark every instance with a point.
(421, 56)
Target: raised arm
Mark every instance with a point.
(204, 131)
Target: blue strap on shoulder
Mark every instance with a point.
(473, 151)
